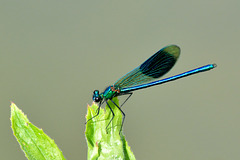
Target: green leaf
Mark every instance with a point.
(108, 144)
(33, 141)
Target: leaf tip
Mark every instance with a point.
(12, 104)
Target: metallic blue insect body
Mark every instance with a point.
(142, 77)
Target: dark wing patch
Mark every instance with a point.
(155, 67)
(161, 62)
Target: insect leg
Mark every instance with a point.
(130, 94)
(97, 112)
(122, 114)
(112, 116)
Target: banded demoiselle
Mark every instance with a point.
(142, 77)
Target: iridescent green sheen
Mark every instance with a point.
(142, 77)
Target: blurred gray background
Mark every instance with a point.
(53, 54)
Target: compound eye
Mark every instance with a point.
(97, 99)
(96, 92)
(96, 96)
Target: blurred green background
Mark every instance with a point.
(53, 54)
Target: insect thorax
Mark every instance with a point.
(110, 92)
